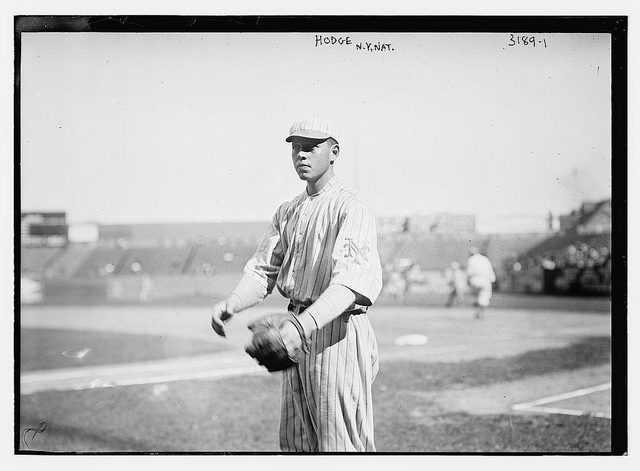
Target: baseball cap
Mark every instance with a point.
(313, 127)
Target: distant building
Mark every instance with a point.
(591, 218)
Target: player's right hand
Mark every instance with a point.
(222, 312)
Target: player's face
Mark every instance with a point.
(311, 158)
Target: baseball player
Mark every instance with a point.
(480, 276)
(320, 251)
(457, 281)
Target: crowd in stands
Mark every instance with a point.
(563, 264)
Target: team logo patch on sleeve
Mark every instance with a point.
(356, 253)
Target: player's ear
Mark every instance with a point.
(335, 152)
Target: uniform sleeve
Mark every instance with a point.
(472, 267)
(356, 263)
(492, 273)
(265, 264)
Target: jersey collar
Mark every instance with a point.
(330, 185)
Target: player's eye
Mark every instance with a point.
(303, 147)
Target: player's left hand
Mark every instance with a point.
(278, 341)
(291, 338)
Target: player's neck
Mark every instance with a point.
(314, 187)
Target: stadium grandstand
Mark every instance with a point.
(120, 262)
(419, 260)
(67, 260)
(36, 260)
(238, 233)
(217, 256)
(577, 260)
(99, 261)
(153, 261)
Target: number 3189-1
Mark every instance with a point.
(526, 41)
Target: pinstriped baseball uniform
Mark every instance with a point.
(312, 242)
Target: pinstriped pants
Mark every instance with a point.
(326, 399)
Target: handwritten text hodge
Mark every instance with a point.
(347, 41)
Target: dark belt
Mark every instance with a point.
(299, 308)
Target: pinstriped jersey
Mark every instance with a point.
(316, 240)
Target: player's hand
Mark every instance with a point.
(222, 313)
(277, 342)
(291, 338)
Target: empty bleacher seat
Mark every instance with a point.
(34, 260)
(154, 260)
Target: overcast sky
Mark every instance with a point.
(125, 128)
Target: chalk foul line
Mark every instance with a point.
(539, 404)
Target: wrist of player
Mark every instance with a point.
(295, 342)
(233, 303)
(247, 293)
(331, 304)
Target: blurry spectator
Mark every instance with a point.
(415, 278)
(146, 288)
(397, 286)
(115, 289)
(480, 276)
(457, 281)
(549, 273)
(397, 283)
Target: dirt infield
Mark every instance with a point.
(469, 372)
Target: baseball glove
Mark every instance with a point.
(267, 346)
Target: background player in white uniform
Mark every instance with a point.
(320, 251)
(480, 276)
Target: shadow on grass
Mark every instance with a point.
(466, 433)
(417, 376)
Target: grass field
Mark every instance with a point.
(454, 394)
(40, 348)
